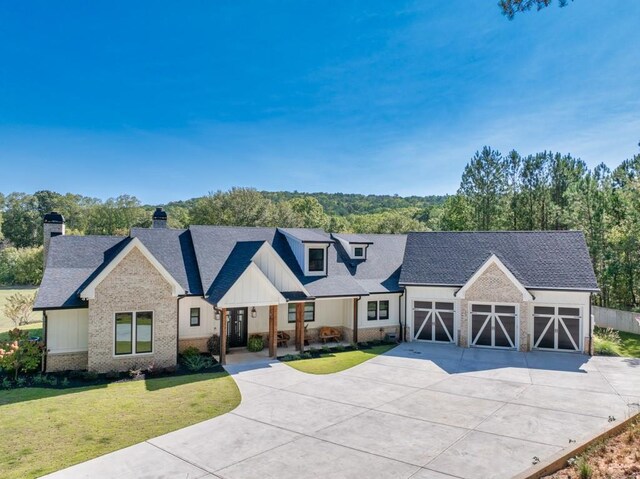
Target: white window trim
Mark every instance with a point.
(134, 333)
(556, 306)
(307, 247)
(378, 318)
(199, 316)
(516, 346)
(456, 317)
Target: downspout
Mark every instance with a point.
(406, 313)
(590, 324)
(43, 366)
(400, 315)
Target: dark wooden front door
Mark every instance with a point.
(237, 327)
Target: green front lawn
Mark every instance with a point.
(44, 430)
(609, 342)
(629, 345)
(335, 362)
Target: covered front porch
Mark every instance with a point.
(287, 327)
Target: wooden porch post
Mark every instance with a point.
(300, 327)
(355, 320)
(223, 336)
(273, 331)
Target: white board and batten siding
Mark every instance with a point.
(252, 288)
(67, 330)
(275, 270)
(430, 293)
(394, 311)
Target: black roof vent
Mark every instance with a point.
(159, 214)
(54, 217)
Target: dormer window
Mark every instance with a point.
(316, 260)
(358, 252)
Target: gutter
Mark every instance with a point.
(45, 351)
(591, 325)
(400, 315)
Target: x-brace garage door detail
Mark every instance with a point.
(493, 325)
(433, 321)
(556, 328)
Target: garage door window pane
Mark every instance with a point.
(481, 308)
(502, 309)
(568, 311)
(422, 304)
(544, 310)
(445, 306)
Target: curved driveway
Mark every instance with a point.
(421, 411)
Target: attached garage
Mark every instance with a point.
(509, 290)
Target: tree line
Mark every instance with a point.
(542, 191)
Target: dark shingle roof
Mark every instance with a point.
(72, 262)
(173, 248)
(353, 238)
(380, 272)
(308, 235)
(538, 259)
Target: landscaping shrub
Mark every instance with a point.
(112, 374)
(339, 348)
(289, 357)
(191, 351)
(606, 341)
(584, 469)
(255, 343)
(89, 376)
(197, 363)
(20, 354)
(305, 356)
(326, 350)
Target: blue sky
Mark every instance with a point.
(170, 100)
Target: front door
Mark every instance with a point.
(237, 327)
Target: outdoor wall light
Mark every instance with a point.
(254, 313)
(217, 314)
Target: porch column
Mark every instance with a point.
(273, 331)
(300, 326)
(355, 320)
(223, 336)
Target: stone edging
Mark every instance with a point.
(559, 460)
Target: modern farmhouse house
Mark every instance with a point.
(115, 303)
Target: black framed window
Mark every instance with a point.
(133, 329)
(144, 332)
(309, 312)
(358, 252)
(383, 308)
(124, 333)
(316, 259)
(372, 310)
(194, 317)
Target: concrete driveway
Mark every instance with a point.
(423, 411)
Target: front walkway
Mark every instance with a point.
(422, 411)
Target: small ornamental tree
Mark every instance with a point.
(18, 308)
(20, 354)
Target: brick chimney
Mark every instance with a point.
(159, 218)
(53, 226)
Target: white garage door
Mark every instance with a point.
(493, 325)
(433, 321)
(556, 328)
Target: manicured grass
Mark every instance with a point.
(5, 323)
(629, 345)
(44, 430)
(616, 343)
(338, 361)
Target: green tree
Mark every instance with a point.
(117, 216)
(236, 207)
(511, 7)
(18, 308)
(483, 184)
(310, 211)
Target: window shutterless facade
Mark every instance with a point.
(383, 310)
(358, 251)
(194, 317)
(133, 333)
(309, 313)
(316, 259)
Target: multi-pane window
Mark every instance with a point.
(133, 333)
(309, 313)
(358, 251)
(316, 259)
(194, 317)
(372, 310)
(377, 310)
